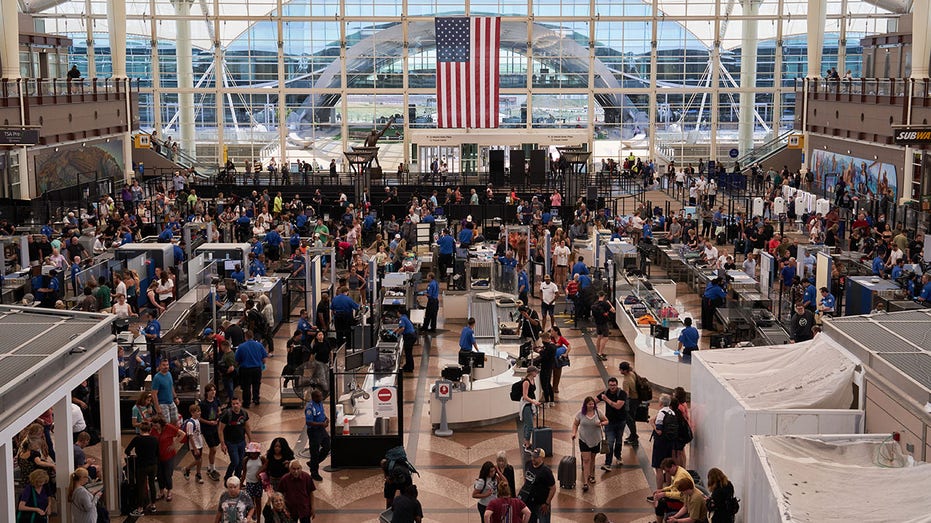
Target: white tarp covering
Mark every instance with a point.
(810, 375)
(815, 479)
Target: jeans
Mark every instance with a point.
(526, 416)
(251, 379)
(536, 516)
(632, 406)
(236, 451)
(614, 433)
(165, 470)
(229, 385)
(319, 441)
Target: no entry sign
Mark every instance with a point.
(386, 402)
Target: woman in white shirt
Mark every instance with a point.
(122, 309)
(259, 228)
(165, 289)
(561, 258)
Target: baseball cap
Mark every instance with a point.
(397, 236)
(624, 365)
(538, 453)
(208, 331)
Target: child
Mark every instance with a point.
(209, 416)
(251, 466)
(195, 442)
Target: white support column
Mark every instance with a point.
(64, 456)
(183, 51)
(7, 487)
(748, 56)
(842, 40)
(108, 382)
(654, 46)
(921, 41)
(156, 74)
(9, 39)
(777, 95)
(219, 74)
(116, 23)
(282, 105)
(908, 176)
(91, 62)
(817, 19)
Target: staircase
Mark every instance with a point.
(765, 151)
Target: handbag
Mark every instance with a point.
(604, 448)
(563, 360)
(643, 413)
(28, 517)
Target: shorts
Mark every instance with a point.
(603, 329)
(548, 309)
(211, 439)
(585, 448)
(254, 490)
(196, 453)
(169, 411)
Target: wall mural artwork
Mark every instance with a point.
(863, 177)
(58, 169)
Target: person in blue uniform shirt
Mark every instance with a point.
(508, 265)
(152, 332)
(433, 304)
(409, 336)
(238, 274)
(179, 253)
(827, 301)
(584, 281)
(343, 308)
(317, 437)
(257, 247)
(688, 341)
(523, 286)
(809, 299)
(306, 329)
(257, 267)
(713, 297)
(467, 337)
(898, 269)
(465, 237)
(447, 251)
(878, 266)
(579, 267)
(925, 295)
(166, 235)
(273, 243)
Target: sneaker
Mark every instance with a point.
(138, 513)
(200, 479)
(650, 499)
(187, 473)
(214, 475)
(606, 467)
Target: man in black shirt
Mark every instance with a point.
(406, 508)
(234, 429)
(802, 322)
(616, 411)
(234, 334)
(601, 313)
(539, 487)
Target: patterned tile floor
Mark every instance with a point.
(448, 466)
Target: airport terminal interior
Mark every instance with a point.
(439, 260)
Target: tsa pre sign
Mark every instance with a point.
(386, 402)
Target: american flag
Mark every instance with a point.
(467, 71)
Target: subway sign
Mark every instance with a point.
(913, 136)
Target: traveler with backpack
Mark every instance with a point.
(722, 504)
(685, 430)
(615, 400)
(398, 473)
(539, 488)
(638, 391)
(665, 432)
(195, 439)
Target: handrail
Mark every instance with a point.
(10, 88)
(760, 153)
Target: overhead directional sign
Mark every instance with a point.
(912, 135)
(18, 136)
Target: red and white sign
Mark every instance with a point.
(444, 389)
(386, 402)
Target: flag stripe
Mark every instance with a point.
(468, 62)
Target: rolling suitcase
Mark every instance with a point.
(568, 469)
(542, 435)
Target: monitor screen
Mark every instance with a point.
(478, 360)
(230, 265)
(370, 355)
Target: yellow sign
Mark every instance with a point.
(796, 141)
(143, 141)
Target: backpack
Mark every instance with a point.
(670, 425)
(685, 431)
(517, 390)
(398, 467)
(643, 387)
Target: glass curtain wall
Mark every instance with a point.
(306, 79)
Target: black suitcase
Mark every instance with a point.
(542, 435)
(568, 470)
(721, 239)
(127, 498)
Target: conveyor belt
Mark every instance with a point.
(486, 319)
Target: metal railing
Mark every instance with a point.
(892, 87)
(81, 87)
(766, 150)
